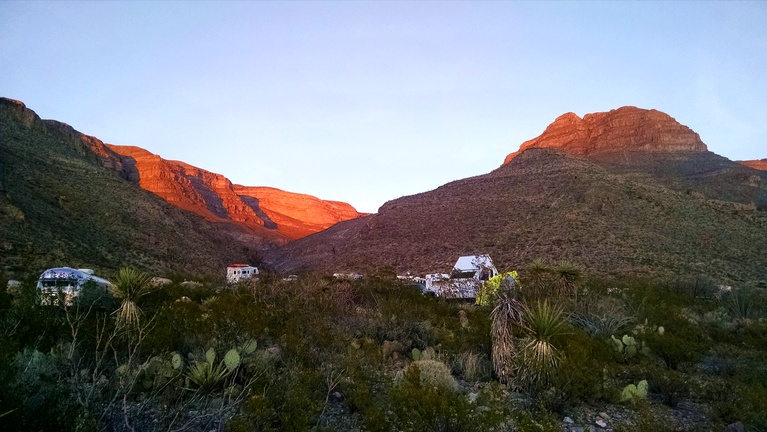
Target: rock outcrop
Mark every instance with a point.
(760, 164)
(622, 129)
(271, 212)
(295, 215)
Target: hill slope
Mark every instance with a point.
(62, 202)
(668, 211)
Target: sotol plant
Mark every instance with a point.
(129, 286)
(542, 323)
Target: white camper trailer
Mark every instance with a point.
(65, 282)
(469, 273)
(238, 272)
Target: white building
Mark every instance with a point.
(65, 282)
(237, 272)
(469, 273)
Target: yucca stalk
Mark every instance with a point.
(506, 314)
(129, 285)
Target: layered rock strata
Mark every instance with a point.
(623, 129)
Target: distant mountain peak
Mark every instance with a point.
(624, 129)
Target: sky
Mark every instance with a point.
(364, 102)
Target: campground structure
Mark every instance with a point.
(65, 283)
(467, 276)
(238, 272)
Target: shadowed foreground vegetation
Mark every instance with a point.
(374, 354)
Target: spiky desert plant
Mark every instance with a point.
(537, 278)
(506, 314)
(129, 285)
(206, 376)
(542, 323)
(567, 276)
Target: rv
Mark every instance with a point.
(468, 275)
(65, 282)
(238, 272)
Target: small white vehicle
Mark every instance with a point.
(65, 283)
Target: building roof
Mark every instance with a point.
(240, 265)
(473, 262)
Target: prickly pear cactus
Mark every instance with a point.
(416, 354)
(628, 346)
(632, 392)
(248, 347)
(176, 361)
(210, 356)
(232, 360)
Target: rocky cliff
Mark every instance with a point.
(760, 164)
(622, 129)
(276, 214)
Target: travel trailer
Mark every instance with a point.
(64, 282)
(468, 275)
(237, 272)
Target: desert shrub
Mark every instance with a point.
(646, 419)
(683, 345)
(366, 390)
(432, 373)
(670, 386)
(291, 398)
(472, 366)
(601, 317)
(540, 420)
(581, 374)
(425, 398)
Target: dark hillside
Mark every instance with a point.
(544, 203)
(59, 205)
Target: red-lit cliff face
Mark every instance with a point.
(626, 128)
(272, 213)
(296, 215)
(760, 164)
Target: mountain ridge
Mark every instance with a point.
(603, 198)
(633, 128)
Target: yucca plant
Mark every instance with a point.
(536, 278)
(567, 276)
(129, 285)
(506, 314)
(542, 323)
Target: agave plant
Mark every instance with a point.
(542, 322)
(129, 285)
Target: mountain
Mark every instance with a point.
(627, 192)
(67, 198)
(271, 213)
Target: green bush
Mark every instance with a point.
(581, 376)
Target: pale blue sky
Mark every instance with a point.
(367, 101)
